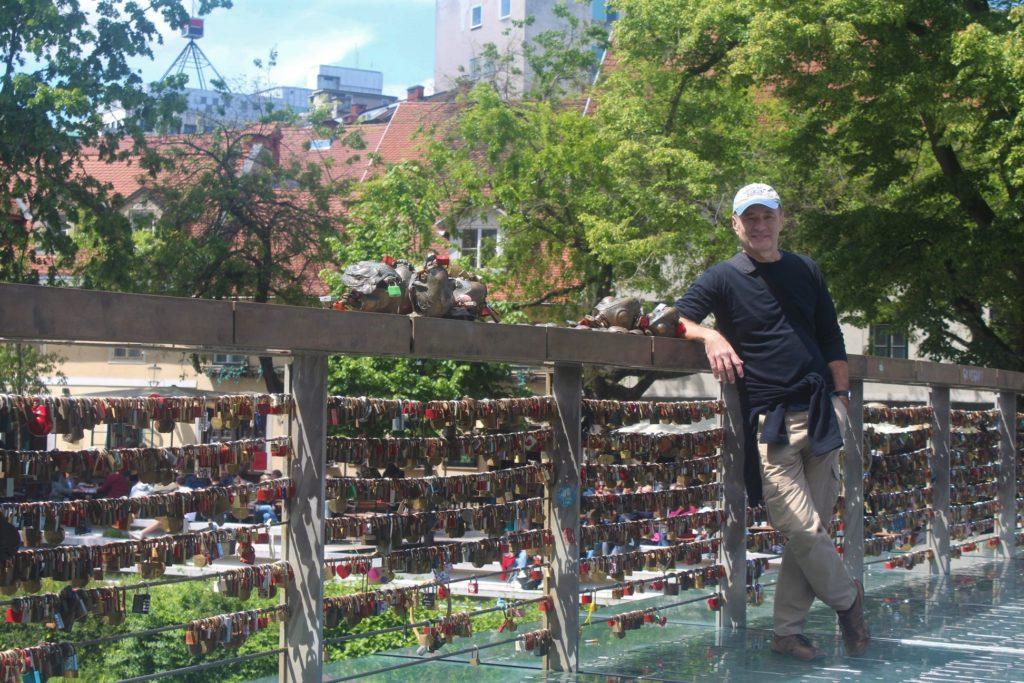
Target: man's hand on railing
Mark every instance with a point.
(726, 366)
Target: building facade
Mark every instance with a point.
(464, 27)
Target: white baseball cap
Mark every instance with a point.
(755, 193)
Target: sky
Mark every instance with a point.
(395, 37)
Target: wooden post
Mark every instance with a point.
(938, 527)
(853, 482)
(733, 550)
(562, 516)
(303, 539)
(1007, 520)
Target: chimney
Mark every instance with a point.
(414, 93)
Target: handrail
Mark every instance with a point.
(56, 314)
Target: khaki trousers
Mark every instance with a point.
(800, 492)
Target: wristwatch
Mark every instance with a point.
(842, 393)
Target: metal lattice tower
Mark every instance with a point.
(192, 59)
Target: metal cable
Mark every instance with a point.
(659, 607)
(424, 660)
(203, 666)
(428, 622)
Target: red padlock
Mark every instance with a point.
(473, 587)
(839, 549)
(12, 616)
(388, 261)
(627, 589)
(547, 604)
(442, 592)
(993, 543)
(890, 565)
(586, 599)
(536, 574)
(714, 604)
(41, 423)
(662, 621)
(648, 618)
(442, 260)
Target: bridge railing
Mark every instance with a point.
(44, 314)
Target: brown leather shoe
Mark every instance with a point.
(796, 646)
(855, 628)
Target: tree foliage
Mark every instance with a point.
(892, 130)
(241, 216)
(61, 68)
(23, 368)
(180, 603)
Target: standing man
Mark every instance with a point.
(779, 338)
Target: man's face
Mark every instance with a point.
(758, 228)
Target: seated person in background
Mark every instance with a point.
(116, 485)
(264, 512)
(141, 488)
(63, 486)
(180, 485)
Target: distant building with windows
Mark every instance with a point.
(344, 90)
(464, 27)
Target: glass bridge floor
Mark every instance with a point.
(965, 627)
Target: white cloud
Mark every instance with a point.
(298, 57)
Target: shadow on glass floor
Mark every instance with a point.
(967, 627)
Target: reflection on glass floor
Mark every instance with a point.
(967, 627)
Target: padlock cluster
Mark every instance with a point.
(408, 452)
(73, 415)
(229, 631)
(44, 522)
(611, 413)
(361, 411)
(626, 314)
(153, 465)
(394, 285)
(421, 491)
(898, 478)
(390, 530)
(38, 663)
(78, 564)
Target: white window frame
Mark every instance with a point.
(230, 359)
(479, 11)
(474, 252)
(127, 355)
(504, 9)
(142, 211)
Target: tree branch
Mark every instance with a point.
(961, 186)
(561, 291)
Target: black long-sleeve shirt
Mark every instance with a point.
(780, 320)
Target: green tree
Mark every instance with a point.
(180, 603)
(242, 215)
(906, 149)
(23, 367)
(893, 131)
(61, 69)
